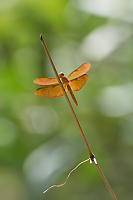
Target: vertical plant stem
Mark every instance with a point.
(106, 182)
(92, 157)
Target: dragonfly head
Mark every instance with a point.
(61, 74)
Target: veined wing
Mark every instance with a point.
(77, 83)
(51, 91)
(79, 71)
(45, 81)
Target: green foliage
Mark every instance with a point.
(39, 141)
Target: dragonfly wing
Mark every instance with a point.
(45, 81)
(77, 83)
(79, 71)
(51, 91)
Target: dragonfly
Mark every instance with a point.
(74, 81)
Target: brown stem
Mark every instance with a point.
(65, 94)
(92, 157)
(106, 182)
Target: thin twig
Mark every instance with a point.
(62, 184)
(92, 157)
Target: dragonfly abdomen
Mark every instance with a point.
(72, 95)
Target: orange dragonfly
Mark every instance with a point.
(54, 90)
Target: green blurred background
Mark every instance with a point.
(39, 141)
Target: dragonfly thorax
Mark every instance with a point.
(63, 78)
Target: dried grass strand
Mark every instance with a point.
(92, 157)
(68, 176)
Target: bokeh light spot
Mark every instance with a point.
(116, 100)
